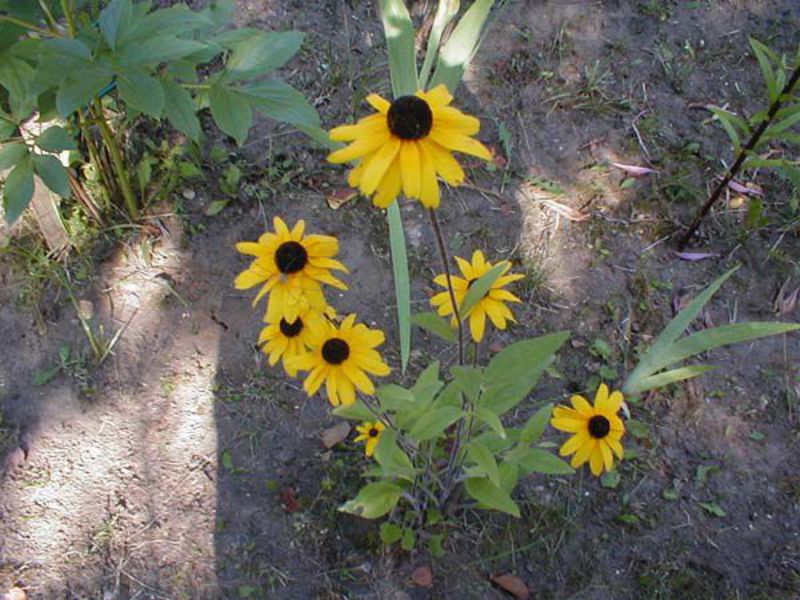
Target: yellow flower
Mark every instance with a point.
(292, 268)
(597, 430)
(406, 145)
(491, 305)
(341, 357)
(287, 339)
(371, 434)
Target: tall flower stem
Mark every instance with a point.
(437, 230)
(116, 159)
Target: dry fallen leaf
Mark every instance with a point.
(737, 201)
(785, 300)
(14, 593)
(634, 170)
(334, 435)
(513, 585)
(289, 501)
(340, 196)
(422, 576)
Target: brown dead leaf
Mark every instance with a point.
(513, 585)
(785, 300)
(289, 501)
(422, 576)
(15, 593)
(334, 435)
(340, 196)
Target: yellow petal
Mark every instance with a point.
(438, 96)
(429, 186)
(460, 143)
(446, 166)
(410, 169)
(608, 458)
(582, 405)
(361, 147)
(569, 425)
(389, 187)
(378, 166)
(583, 453)
(477, 323)
(596, 461)
(572, 444)
(379, 103)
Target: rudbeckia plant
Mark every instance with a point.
(453, 437)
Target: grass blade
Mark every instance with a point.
(402, 286)
(455, 55)
(662, 379)
(399, 31)
(445, 12)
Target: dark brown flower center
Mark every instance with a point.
(373, 432)
(410, 118)
(599, 427)
(335, 351)
(291, 257)
(291, 330)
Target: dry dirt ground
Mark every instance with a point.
(185, 468)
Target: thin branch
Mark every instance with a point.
(446, 265)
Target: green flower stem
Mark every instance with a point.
(446, 265)
(26, 25)
(94, 154)
(67, 10)
(116, 159)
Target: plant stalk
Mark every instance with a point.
(446, 265)
(67, 10)
(773, 109)
(26, 25)
(116, 159)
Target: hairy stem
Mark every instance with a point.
(773, 109)
(116, 159)
(446, 265)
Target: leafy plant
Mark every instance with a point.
(69, 65)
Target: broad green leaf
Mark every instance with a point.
(220, 12)
(762, 56)
(114, 20)
(56, 139)
(726, 120)
(179, 19)
(512, 372)
(18, 189)
(491, 419)
(462, 45)
(479, 288)
(354, 412)
(427, 384)
(409, 540)
(435, 324)
(179, 109)
(484, 460)
(391, 458)
(445, 11)
(7, 126)
(509, 476)
(667, 377)
(399, 32)
(53, 173)
(264, 52)
(534, 460)
(79, 89)
(536, 425)
(434, 423)
(490, 495)
(374, 500)
(449, 396)
(469, 380)
(402, 286)
(158, 50)
(11, 154)
(394, 397)
(231, 111)
(280, 101)
(141, 92)
(390, 533)
(17, 76)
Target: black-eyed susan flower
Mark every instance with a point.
(493, 304)
(597, 430)
(370, 433)
(406, 145)
(288, 339)
(292, 266)
(340, 358)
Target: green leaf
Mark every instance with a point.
(280, 101)
(484, 460)
(180, 110)
(762, 56)
(427, 384)
(390, 533)
(479, 288)
(141, 92)
(79, 89)
(435, 324)
(56, 139)
(455, 55)
(445, 11)
(18, 189)
(216, 207)
(729, 121)
(399, 32)
(434, 423)
(158, 50)
(374, 500)
(469, 380)
(402, 286)
(409, 540)
(11, 154)
(263, 52)
(394, 397)
(179, 19)
(46, 376)
(672, 376)
(53, 173)
(436, 545)
(114, 20)
(492, 420)
(534, 460)
(231, 111)
(610, 479)
(7, 126)
(512, 372)
(357, 411)
(391, 458)
(449, 396)
(536, 425)
(491, 495)
(713, 508)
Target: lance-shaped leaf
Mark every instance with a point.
(399, 32)
(374, 500)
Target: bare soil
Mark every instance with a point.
(184, 467)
